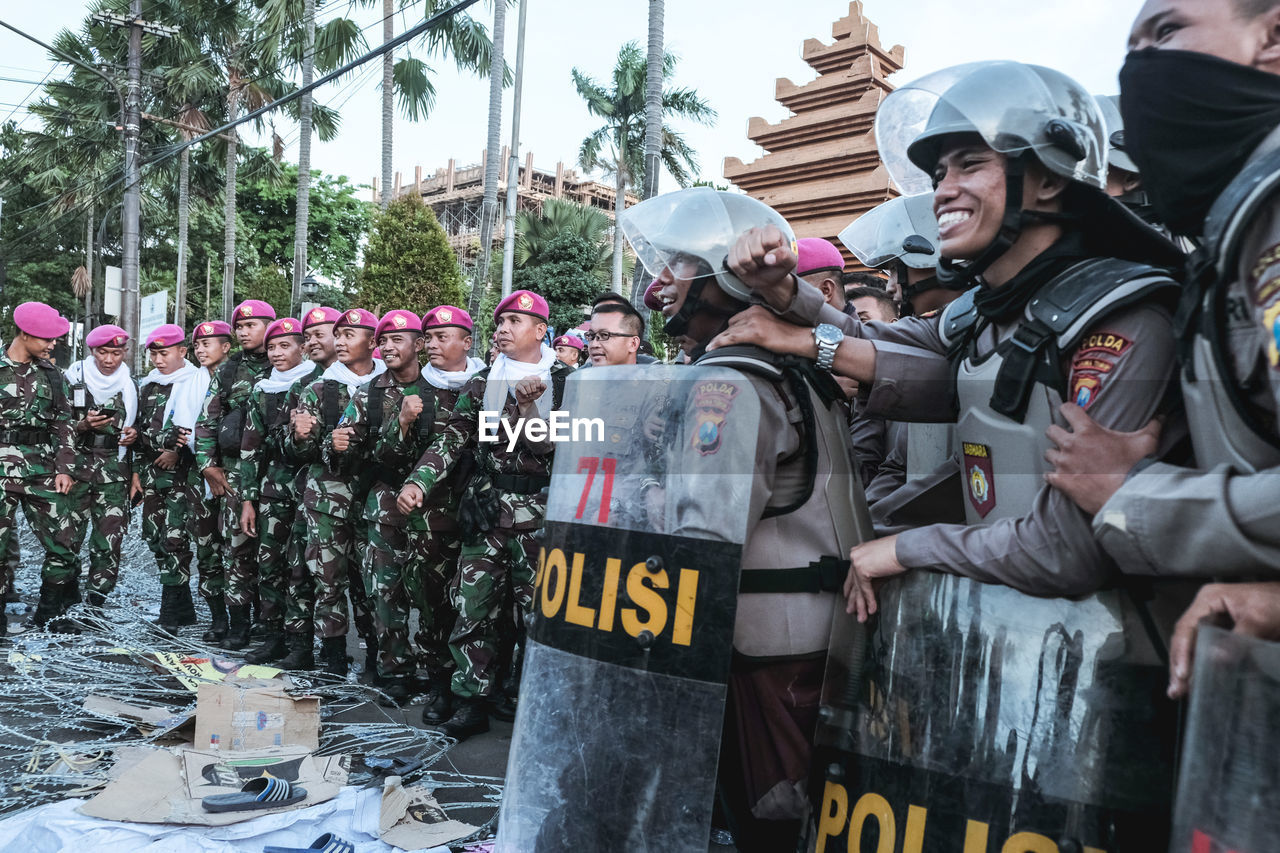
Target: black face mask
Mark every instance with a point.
(1191, 121)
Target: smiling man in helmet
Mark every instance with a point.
(1069, 300)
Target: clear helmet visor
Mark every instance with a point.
(681, 231)
(691, 232)
(902, 229)
(1013, 107)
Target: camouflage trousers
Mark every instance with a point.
(300, 589)
(12, 559)
(384, 563)
(275, 532)
(103, 510)
(166, 532)
(493, 574)
(430, 566)
(49, 515)
(330, 554)
(205, 524)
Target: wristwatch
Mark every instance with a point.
(828, 338)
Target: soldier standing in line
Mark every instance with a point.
(435, 540)
(162, 471)
(105, 401)
(37, 449)
(333, 496)
(384, 425)
(300, 593)
(211, 342)
(569, 349)
(526, 380)
(218, 434)
(269, 495)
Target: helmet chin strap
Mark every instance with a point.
(954, 276)
(679, 323)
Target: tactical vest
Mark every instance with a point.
(1008, 398)
(423, 426)
(1225, 427)
(817, 512)
(928, 446)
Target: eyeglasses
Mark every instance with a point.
(605, 337)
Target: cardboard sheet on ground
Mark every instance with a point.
(167, 786)
(193, 671)
(412, 819)
(240, 714)
(148, 719)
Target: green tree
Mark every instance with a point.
(617, 147)
(408, 262)
(535, 230)
(565, 277)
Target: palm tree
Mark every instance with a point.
(489, 206)
(618, 145)
(653, 101)
(535, 230)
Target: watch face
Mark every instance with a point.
(828, 334)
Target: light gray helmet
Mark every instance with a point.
(695, 228)
(902, 229)
(1109, 106)
(1013, 107)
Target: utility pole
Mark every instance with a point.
(492, 166)
(130, 296)
(513, 169)
(303, 210)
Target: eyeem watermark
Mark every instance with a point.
(558, 428)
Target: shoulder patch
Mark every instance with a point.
(1266, 260)
(1104, 342)
(712, 401)
(979, 477)
(1271, 321)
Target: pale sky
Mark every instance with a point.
(730, 51)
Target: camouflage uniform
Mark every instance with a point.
(167, 496)
(228, 393)
(504, 558)
(300, 589)
(99, 499)
(37, 443)
(270, 482)
(391, 570)
(332, 498)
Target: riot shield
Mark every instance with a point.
(627, 663)
(989, 720)
(1229, 778)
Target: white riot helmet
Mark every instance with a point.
(902, 229)
(1021, 111)
(1109, 106)
(691, 231)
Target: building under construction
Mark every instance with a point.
(457, 195)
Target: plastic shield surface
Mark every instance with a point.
(1229, 780)
(622, 700)
(994, 721)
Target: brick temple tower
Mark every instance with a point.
(822, 169)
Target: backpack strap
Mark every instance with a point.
(329, 413)
(373, 408)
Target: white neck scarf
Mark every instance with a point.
(282, 381)
(187, 401)
(104, 387)
(506, 372)
(452, 379)
(354, 381)
(182, 374)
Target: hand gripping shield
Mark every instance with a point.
(992, 720)
(622, 700)
(1229, 779)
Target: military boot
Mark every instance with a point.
(504, 705)
(333, 654)
(369, 675)
(439, 705)
(300, 654)
(471, 717)
(217, 632)
(274, 647)
(238, 630)
(186, 607)
(398, 688)
(168, 618)
(49, 607)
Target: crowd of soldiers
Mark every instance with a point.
(1068, 385)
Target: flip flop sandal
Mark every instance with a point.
(327, 843)
(265, 792)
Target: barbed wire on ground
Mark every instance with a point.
(52, 747)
